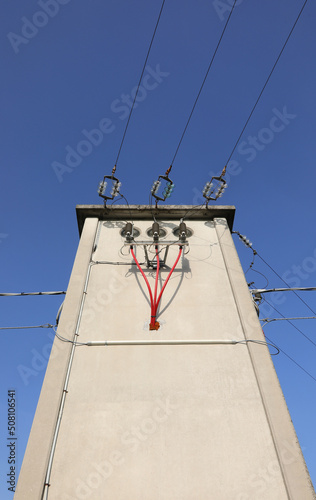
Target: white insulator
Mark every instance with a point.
(102, 187)
(155, 187)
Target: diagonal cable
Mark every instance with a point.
(277, 274)
(266, 83)
(204, 80)
(294, 326)
(141, 76)
(25, 327)
(24, 294)
(293, 360)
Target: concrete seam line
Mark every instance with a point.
(260, 389)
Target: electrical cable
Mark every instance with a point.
(26, 327)
(117, 263)
(163, 288)
(204, 80)
(197, 207)
(140, 79)
(121, 252)
(266, 83)
(151, 206)
(59, 312)
(248, 244)
(299, 288)
(293, 360)
(269, 320)
(261, 342)
(255, 252)
(128, 206)
(167, 279)
(153, 320)
(23, 294)
(294, 326)
(154, 325)
(64, 339)
(146, 281)
(64, 390)
(109, 343)
(280, 277)
(252, 262)
(163, 247)
(258, 272)
(283, 317)
(166, 176)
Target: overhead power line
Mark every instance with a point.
(269, 320)
(266, 83)
(293, 360)
(292, 289)
(140, 79)
(294, 326)
(204, 80)
(23, 294)
(25, 327)
(280, 277)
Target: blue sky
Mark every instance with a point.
(75, 73)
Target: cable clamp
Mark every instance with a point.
(168, 171)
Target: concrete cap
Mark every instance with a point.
(147, 212)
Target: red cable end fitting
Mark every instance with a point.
(155, 326)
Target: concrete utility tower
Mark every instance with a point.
(190, 410)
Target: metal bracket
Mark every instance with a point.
(214, 189)
(152, 262)
(161, 243)
(162, 261)
(168, 190)
(115, 188)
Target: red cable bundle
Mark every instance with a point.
(154, 303)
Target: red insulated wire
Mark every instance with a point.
(154, 302)
(153, 316)
(146, 280)
(168, 277)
